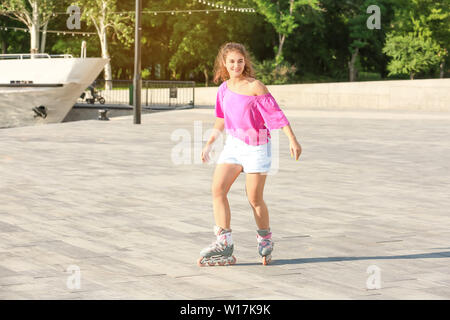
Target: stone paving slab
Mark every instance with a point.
(110, 198)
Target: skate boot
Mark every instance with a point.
(220, 251)
(265, 245)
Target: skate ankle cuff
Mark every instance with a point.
(225, 238)
(219, 230)
(264, 232)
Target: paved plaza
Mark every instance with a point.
(108, 210)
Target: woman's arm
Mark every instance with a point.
(294, 146)
(217, 131)
(219, 125)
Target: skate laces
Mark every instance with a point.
(265, 241)
(222, 241)
(217, 246)
(223, 236)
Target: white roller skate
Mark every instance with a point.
(220, 251)
(265, 245)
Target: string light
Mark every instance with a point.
(58, 32)
(227, 8)
(221, 8)
(124, 13)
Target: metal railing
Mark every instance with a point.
(23, 56)
(154, 93)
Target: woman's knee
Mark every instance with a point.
(255, 201)
(219, 191)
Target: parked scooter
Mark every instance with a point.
(95, 96)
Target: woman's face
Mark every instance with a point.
(235, 63)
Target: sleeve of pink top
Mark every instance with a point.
(270, 111)
(219, 99)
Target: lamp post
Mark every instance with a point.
(137, 81)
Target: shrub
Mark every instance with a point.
(269, 73)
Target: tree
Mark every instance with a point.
(32, 13)
(426, 24)
(195, 38)
(437, 20)
(411, 53)
(102, 14)
(10, 40)
(360, 36)
(160, 37)
(196, 50)
(283, 18)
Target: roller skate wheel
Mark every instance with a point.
(222, 263)
(232, 261)
(266, 260)
(211, 263)
(200, 262)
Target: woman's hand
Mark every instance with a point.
(205, 153)
(295, 148)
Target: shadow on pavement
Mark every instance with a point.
(275, 262)
(434, 255)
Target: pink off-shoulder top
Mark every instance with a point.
(249, 118)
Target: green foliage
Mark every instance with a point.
(411, 53)
(191, 46)
(21, 9)
(102, 14)
(420, 38)
(320, 37)
(369, 76)
(270, 72)
(12, 41)
(285, 17)
(31, 13)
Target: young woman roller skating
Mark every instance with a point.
(246, 109)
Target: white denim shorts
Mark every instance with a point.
(252, 158)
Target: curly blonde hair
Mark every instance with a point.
(220, 71)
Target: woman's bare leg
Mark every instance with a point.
(224, 176)
(254, 186)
